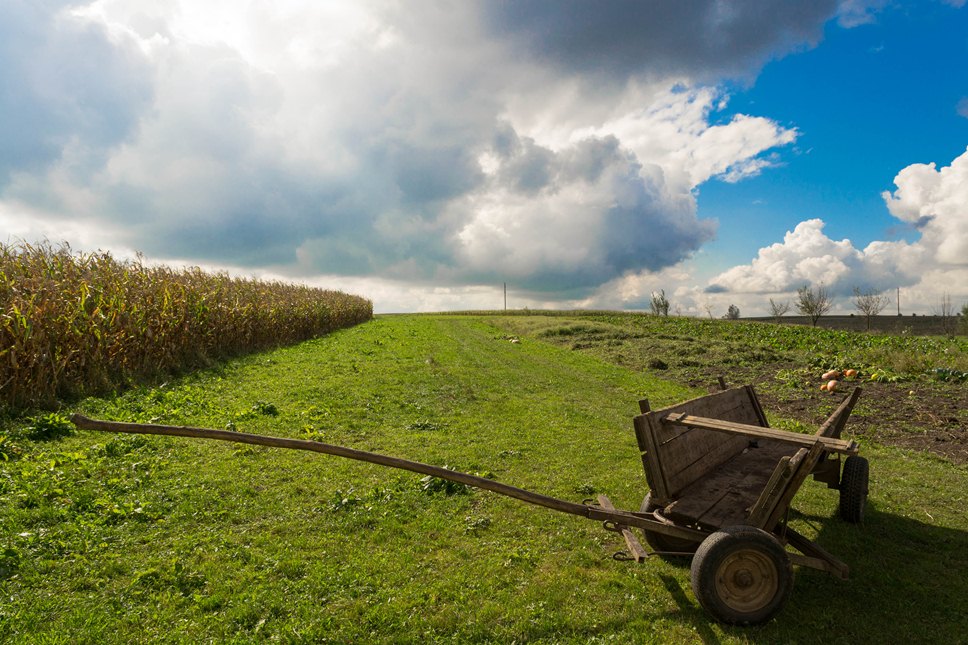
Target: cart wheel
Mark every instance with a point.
(741, 575)
(853, 489)
(660, 542)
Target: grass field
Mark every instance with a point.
(119, 539)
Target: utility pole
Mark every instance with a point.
(899, 301)
(505, 296)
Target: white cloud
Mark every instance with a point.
(933, 200)
(673, 131)
(936, 201)
(403, 142)
(854, 13)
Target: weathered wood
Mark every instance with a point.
(722, 383)
(644, 406)
(771, 493)
(686, 455)
(635, 547)
(814, 550)
(827, 470)
(830, 444)
(626, 518)
(777, 481)
(757, 407)
(834, 425)
(723, 497)
(646, 426)
(697, 455)
(796, 481)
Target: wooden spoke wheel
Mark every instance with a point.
(742, 575)
(660, 542)
(853, 489)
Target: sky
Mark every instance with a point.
(424, 154)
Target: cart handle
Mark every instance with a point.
(623, 518)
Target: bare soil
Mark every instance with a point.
(931, 416)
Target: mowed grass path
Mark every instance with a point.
(131, 539)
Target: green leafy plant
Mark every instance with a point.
(48, 428)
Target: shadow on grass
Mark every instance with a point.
(906, 583)
(691, 611)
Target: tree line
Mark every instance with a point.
(816, 302)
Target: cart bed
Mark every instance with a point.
(725, 496)
(713, 462)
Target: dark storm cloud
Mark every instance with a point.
(621, 38)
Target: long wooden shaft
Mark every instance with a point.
(583, 510)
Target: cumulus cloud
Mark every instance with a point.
(806, 256)
(558, 147)
(933, 200)
(936, 201)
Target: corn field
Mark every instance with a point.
(78, 324)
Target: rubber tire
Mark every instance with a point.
(853, 489)
(660, 542)
(736, 549)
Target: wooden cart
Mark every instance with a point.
(713, 464)
(720, 481)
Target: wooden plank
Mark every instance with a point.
(690, 508)
(829, 444)
(814, 550)
(773, 490)
(724, 496)
(834, 426)
(655, 466)
(801, 474)
(686, 455)
(755, 402)
(698, 457)
(645, 425)
(635, 547)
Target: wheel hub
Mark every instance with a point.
(747, 580)
(743, 578)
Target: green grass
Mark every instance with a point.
(117, 539)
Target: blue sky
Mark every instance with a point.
(586, 153)
(868, 101)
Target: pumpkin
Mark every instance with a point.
(832, 374)
(832, 385)
(850, 373)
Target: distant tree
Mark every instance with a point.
(778, 309)
(947, 313)
(709, 309)
(659, 304)
(964, 318)
(813, 302)
(732, 313)
(870, 303)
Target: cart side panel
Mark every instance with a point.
(681, 455)
(644, 435)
